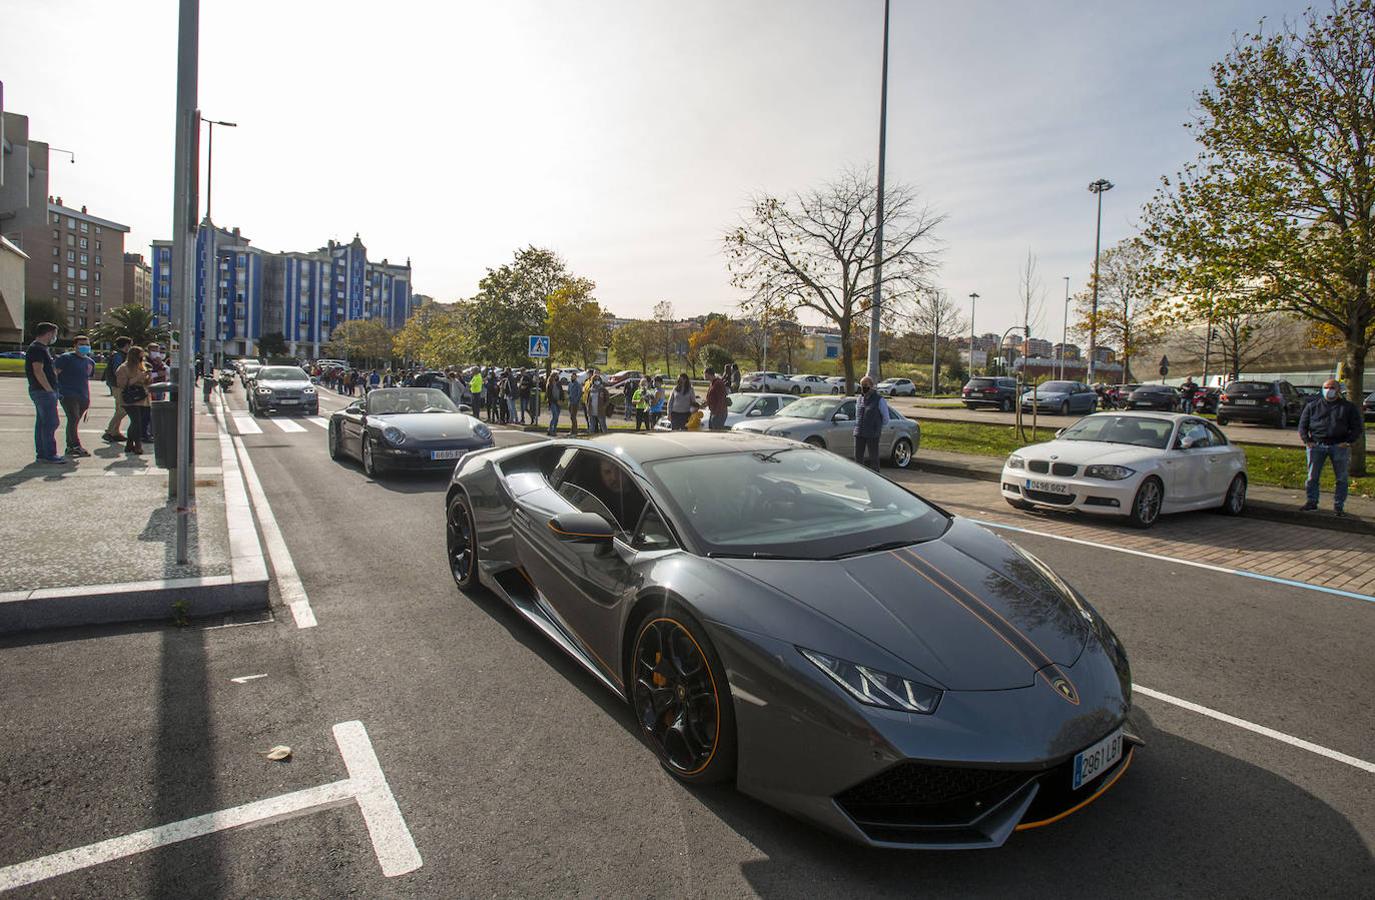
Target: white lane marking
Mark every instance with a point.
(391, 839)
(244, 679)
(272, 809)
(288, 580)
(246, 554)
(288, 426)
(244, 424)
(1258, 729)
(317, 420)
(1242, 573)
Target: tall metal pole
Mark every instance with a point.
(184, 208)
(935, 338)
(973, 301)
(1098, 187)
(210, 169)
(875, 307)
(1064, 331)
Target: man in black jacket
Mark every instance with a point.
(1328, 427)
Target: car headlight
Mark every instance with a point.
(308, 390)
(262, 391)
(1016, 462)
(780, 433)
(875, 688)
(393, 435)
(1108, 473)
(482, 432)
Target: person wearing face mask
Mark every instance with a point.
(1328, 427)
(74, 371)
(38, 367)
(870, 414)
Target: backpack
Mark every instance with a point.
(111, 365)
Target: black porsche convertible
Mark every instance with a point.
(405, 428)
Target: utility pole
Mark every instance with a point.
(935, 338)
(184, 208)
(1098, 187)
(973, 301)
(875, 306)
(1064, 331)
(210, 161)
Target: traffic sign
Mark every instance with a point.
(1164, 366)
(539, 346)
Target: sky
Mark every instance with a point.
(627, 136)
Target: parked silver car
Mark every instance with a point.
(740, 407)
(830, 421)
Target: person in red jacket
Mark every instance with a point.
(716, 401)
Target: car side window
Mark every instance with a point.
(1194, 431)
(598, 484)
(847, 409)
(767, 406)
(653, 533)
(894, 415)
(1217, 438)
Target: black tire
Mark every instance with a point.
(901, 457)
(1006, 405)
(971, 406)
(336, 452)
(1283, 422)
(1222, 420)
(461, 544)
(797, 391)
(1234, 501)
(371, 468)
(816, 442)
(1019, 504)
(1146, 504)
(1064, 408)
(680, 698)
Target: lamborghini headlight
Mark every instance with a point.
(1108, 473)
(393, 435)
(875, 688)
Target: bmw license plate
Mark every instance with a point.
(1244, 402)
(1096, 760)
(287, 401)
(1048, 487)
(446, 454)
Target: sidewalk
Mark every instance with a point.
(94, 541)
(1262, 501)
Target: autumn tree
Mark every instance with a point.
(1282, 193)
(436, 335)
(936, 319)
(367, 340)
(636, 342)
(1128, 317)
(576, 322)
(511, 304)
(1239, 341)
(816, 251)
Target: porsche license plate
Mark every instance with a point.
(1096, 760)
(446, 454)
(1048, 487)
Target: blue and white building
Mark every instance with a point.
(302, 295)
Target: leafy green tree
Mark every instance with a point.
(714, 356)
(512, 304)
(272, 343)
(44, 309)
(635, 342)
(134, 321)
(361, 340)
(1282, 195)
(577, 323)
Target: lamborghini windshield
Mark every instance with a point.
(795, 502)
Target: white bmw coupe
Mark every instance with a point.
(1132, 464)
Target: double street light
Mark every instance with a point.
(1099, 187)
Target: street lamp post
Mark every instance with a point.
(1064, 331)
(1098, 187)
(210, 160)
(875, 305)
(973, 301)
(210, 314)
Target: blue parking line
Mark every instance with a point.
(1287, 582)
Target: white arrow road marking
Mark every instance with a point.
(244, 679)
(391, 839)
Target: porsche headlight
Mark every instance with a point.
(1016, 462)
(393, 435)
(875, 688)
(482, 432)
(1108, 473)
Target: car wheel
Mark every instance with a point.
(797, 392)
(1006, 405)
(1146, 504)
(1283, 422)
(335, 451)
(1222, 420)
(1019, 504)
(1064, 408)
(370, 466)
(816, 442)
(460, 537)
(1093, 407)
(681, 699)
(1234, 504)
(902, 453)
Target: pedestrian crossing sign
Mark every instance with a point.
(539, 346)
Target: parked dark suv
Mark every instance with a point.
(989, 391)
(1275, 403)
(1154, 396)
(1369, 406)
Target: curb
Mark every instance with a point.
(1265, 510)
(245, 589)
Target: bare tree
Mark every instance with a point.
(935, 316)
(1240, 341)
(815, 251)
(665, 328)
(1127, 312)
(1031, 301)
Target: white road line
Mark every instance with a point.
(1258, 729)
(244, 679)
(288, 426)
(244, 424)
(1242, 573)
(391, 839)
(317, 420)
(272, 809)
(288, 580)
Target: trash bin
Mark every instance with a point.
(164, 415)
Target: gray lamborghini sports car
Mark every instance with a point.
(781, 617)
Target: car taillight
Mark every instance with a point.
(1223, 398)
(1274, 400)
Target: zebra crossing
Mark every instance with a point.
(242, 423)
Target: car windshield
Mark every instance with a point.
(1155, 389)
(738, 403)
(1138, 431)
(1249, 387)
(818, 408)
(281, 373)
(982, 383)
(1056, 387)
(388, 401)
(796, 502)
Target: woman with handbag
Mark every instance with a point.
(132, 380)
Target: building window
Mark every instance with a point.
(71, 256)
(97, 276)
(97, 229)
(85, 228)
(57, 219)
(71, 222)
(56, 269)
(57, 235)
(97, 291)
(83, 259)
(55, 251)
(71, 240)
(83, 290)
(85, 244)
(98, 260)
(97, 245)
(71, 289)
(56, 284)
(83, 274)
(71, 271)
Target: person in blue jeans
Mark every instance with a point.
(1328, 427)
(74, 371)
(870, 414)
(38, 368)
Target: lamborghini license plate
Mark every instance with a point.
(1096, 760)
(1047, 487)
(446, 454)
